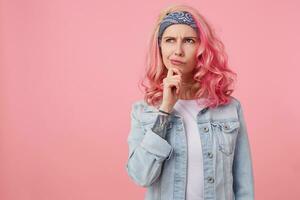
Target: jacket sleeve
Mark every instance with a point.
(243, 180)
(147, 151)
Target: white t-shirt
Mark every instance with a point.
(189, 109)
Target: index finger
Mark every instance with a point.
(178, 71)
(170, 72)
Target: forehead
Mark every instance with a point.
(179, 30)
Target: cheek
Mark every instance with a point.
(165, 51)
(192, 56)
(165, 54)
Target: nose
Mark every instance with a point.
(178, 49)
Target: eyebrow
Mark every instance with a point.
(183, 38)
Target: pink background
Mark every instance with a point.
(69, 73)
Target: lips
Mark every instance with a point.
(177, 62)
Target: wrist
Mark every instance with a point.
(164, 112)
(164, 108)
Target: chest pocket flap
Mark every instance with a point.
(226, 135)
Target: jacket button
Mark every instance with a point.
(210, 179)
(206, 129)
(226, 127)
(210, 155)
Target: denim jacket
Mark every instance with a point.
(160, 164)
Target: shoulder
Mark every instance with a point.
(235, 102)
(143, 112)
(140, 106)
(228, 110)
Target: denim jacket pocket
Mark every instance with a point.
(226, 135)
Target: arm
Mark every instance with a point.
(147, 151)
(160, 125)
(243, 180)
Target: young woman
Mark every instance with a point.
(188, 137)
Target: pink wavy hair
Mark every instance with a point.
(211, 71)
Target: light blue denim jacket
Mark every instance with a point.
(161, 164)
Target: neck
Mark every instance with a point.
(188, 91)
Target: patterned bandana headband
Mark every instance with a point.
(178, 17)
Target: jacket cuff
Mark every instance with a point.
(156, 145)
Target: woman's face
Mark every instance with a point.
(179, 42)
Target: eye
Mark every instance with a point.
(167, 40)
(190, 41)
